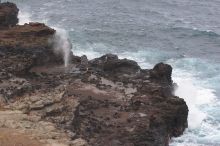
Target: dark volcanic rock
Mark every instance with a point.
(111, 63)
(144, 120)
(8, 15)
(162, 72)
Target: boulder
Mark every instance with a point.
(162, 72)
(111, 63)
(8, 15)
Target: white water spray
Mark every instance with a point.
(195, 97)
(24, 17)
(62, 45)
(198, 98)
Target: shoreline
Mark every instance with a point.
(103, 101)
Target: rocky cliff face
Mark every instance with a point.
(104, 101)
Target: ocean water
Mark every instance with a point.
(183, 33)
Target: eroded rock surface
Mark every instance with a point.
(101, 102)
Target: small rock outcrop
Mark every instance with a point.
(106, 101)
(8, 15)
(111, 63)
(162, 72)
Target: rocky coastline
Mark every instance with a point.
(106, 101)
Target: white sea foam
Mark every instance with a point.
(195, 96)
(146, 57)
(203, 129)
(87, 50)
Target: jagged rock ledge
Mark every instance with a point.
(104, 101)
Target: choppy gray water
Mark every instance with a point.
(183, 33)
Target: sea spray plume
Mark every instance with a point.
(62, 45)
(195, 97)
(24, 17)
